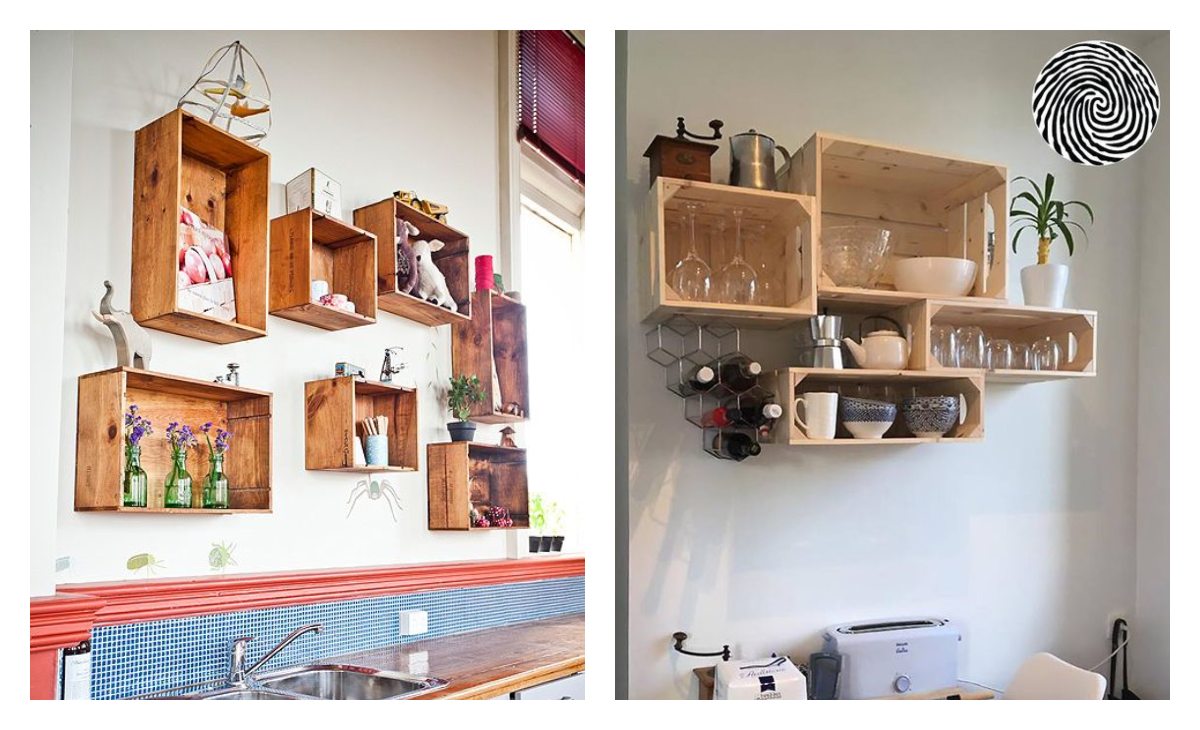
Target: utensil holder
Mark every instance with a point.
(377, 449)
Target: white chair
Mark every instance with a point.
(1046, 677)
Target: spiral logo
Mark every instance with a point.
(1095, 102)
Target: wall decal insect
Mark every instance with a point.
(221, 556)
(375, 489)
(144, 561)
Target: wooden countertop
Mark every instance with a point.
(480, 665)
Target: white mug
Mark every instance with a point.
(820, 410)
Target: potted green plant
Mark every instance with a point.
(556, 514)
(464, 393)
(1045, 284)
(537, 521)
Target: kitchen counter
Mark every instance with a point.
(480, 665)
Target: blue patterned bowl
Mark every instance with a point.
(930, 416)
(857, 410)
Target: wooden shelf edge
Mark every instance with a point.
(498, 418)
(308, 313)
(216, 331)
(863, 373)
(782, 195)
(418, 310)
(172, 510)
(881, 442)
(366, 469)
(139, 378)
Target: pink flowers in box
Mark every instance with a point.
(205, 277)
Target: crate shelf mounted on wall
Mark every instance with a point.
(334, 408)
(183, 162)
(384, 219)
(306, 246)
(104, 399)
(466, 475)
(495, 335)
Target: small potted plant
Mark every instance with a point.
(1045, 284)
(556, 515)
(464, 393)
(537, 521)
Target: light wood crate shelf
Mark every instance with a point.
(496, 333)
(307, 245)
(933, 204)
(383, 219)
(464, 474)
(786, 248)
(105, 397)
(787, 383)
(334, 409)
(182, 161)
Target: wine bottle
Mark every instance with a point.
(701, 378)
(740, 372)
(755, 413)
(716, 418)
(734, 445)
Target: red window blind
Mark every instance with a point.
(550, 96)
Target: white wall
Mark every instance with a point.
(1026, 539)
(377, 111)
(1150, 631)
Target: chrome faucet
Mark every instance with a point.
(388, 369)
(238, 673)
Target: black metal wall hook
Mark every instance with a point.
(681, 637)
(682, 133)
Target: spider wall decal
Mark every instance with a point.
(375, 489)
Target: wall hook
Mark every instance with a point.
(681, 637)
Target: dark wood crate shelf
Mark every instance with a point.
(464, 474)
(307, 245)
(334, 408)
(496, 333)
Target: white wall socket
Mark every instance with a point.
(1112, 617)
(413, 622)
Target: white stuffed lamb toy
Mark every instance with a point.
(431, 284)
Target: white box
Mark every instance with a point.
(773, 678)
(314, 189)
(413, 622)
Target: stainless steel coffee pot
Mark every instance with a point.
(752, 160)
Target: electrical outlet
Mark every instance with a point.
(413, 622)
(1112, 618)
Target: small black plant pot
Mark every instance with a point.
(535, 543)
(461, 430)
(546, 540)
(556, 543)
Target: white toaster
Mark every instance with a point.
(894, 656)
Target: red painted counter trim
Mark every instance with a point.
(56, 622)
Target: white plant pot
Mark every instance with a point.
(1045, 285)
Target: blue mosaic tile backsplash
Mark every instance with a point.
(134, 659)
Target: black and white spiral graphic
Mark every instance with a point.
(1095, 102)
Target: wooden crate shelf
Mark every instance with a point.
(462, 475)
(307, 245)
(933, 204)
(786, 247)
(1073, 329)
(383, 219)
(104, 398)
(496, 334)
(787, 383)
(334, 409)
(182, 161)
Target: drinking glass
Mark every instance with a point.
(1022, 358)
(1047, 355)
(972, 347)
(1000, 355)
(944, 345)
(736, 282)
(692, 278)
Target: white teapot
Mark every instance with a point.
(881, 349)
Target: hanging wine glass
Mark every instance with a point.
(769, 290)
(692, 279)
(737, 283)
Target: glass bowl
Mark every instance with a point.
(855, 255)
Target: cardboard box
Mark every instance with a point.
(314, 189)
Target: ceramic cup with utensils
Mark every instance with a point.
(933, 416)
(816, 414)
(867, 419)
(377, 449)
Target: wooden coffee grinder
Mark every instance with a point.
(679, 157)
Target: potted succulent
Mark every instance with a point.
(1045, 284)
(464, 393)
(556, 514)
(537, 521)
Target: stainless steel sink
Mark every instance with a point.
(248, 694)
(345, 682)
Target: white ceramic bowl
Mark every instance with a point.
(867, 429)
(934, 275)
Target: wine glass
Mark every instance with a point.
(770, 291)
(736, 282)
(692, 279)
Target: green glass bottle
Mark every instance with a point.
(135, 483)
(179, 482)
(216, 485)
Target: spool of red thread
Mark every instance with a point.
(484, 273)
